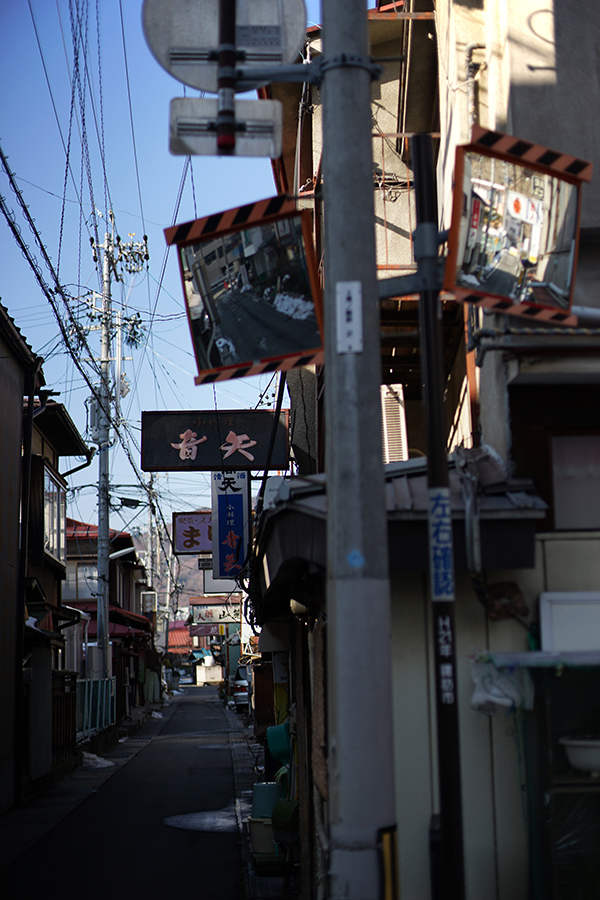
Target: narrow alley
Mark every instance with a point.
(165, 818)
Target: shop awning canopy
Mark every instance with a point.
(116, 630)
(292, 540)
(116, 615)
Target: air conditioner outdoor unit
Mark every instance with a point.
(393, 423)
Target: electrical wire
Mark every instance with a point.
(137, 171)
(51, 298)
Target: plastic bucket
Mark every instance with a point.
(261, 835)
(264, 797)
(278, 739)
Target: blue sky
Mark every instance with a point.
(128, 119)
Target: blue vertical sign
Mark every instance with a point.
(440, 544)
(230, 518)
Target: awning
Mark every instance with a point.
(38, 607)
(115, 614)
(292, 539)
(116, 630)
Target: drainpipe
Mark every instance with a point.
(89, 458)
(33, 380)
(471, 68)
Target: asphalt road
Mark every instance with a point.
(262, 330)
(122, 840)
(504, 276)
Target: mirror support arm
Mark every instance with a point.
(430, 267)
(312, 72)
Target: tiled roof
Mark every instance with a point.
(179, 638)
(82, 530)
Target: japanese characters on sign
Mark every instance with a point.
(204, 630)
(192, 532)
(224, 614)
(213, 440)
(348, 300)
(440, 544)
(441, 561)
(230, 516)
(445, 643)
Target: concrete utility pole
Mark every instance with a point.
(151, 544)
(133, 255)
(102, 618)
(361, 759)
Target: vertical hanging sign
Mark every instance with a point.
(440, 544)
(230, 521)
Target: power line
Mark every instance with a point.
(137, 172)
(49, 294)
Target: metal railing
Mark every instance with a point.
(95, 706)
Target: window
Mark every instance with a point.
(556, 442)
(55, 518)
(576, 481)
(81, 582)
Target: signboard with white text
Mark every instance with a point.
(204, 630)
(231, 522)
(210, 440)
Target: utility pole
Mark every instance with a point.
(441, 564)
(151, 554)
(133, 256)
(360, 731)
(103, 461)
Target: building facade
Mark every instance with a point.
(521, 404)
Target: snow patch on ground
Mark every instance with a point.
(157, 715)
(91, 761)
(219, 820)
(294, 307)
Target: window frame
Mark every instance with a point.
(55, 515)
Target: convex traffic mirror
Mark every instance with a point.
(251, 289)
(515, 226)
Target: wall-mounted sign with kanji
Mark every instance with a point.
(217, 615)
(192, 533)
(205, 441)
(231, 522)
(204, 630)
